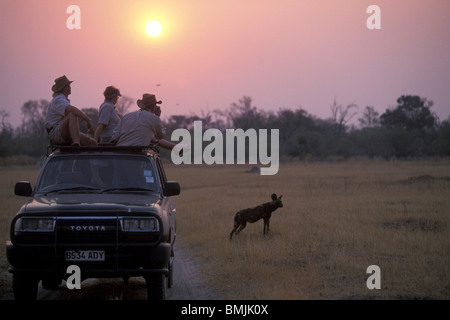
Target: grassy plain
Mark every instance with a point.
(337, 219)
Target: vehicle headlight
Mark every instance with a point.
(140, 224)
(35, 224)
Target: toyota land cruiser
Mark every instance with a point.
(107, 210)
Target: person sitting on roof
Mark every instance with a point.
(142, 127)
(108, 117)
(62, 118)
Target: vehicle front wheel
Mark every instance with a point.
(25, 287)
(156, 287)
(51, 283)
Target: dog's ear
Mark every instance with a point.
(274, 196)
(280, 197)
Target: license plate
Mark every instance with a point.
(85, 255)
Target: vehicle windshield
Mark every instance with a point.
(91, 173)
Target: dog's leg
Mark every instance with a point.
(266, 226)
(236, 223)
(243, 224)
(233, 231)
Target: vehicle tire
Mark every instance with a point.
(51, 283)
(25, 287)
(170, 276)
(156, 287)
(170, 267)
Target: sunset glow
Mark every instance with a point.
(283, 54)
(153, 28)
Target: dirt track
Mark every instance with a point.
(187, 285)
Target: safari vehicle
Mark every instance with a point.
(107, 210)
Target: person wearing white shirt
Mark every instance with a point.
(62, 118)
(142, 127)
(108, 116)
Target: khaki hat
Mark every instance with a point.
(111, 92)
(147, 100)
(60, 83)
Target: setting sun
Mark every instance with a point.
(153, 28)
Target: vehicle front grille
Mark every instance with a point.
(80, 230)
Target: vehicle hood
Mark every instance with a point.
(91, 202)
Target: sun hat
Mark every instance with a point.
(111, 92)
(60, 83)
(148, 100)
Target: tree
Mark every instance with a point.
(245, 116)
(5, 133)
(93, 114)
(3, 122)
(443, 140)
(412, 112)
(30, 137)
(123, 105)
(342, 115)
(34, 112)
(292, 125)
(370, 118)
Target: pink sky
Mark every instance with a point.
(283, 54)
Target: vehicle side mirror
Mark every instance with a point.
(23, 188)
(172, 189)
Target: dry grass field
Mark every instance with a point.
(337, 219)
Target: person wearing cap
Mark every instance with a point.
(62, 118)
(142, 127)
(108, 116)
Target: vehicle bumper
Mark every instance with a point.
(137, 260)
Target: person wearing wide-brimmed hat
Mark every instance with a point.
(108, 117)
(150, 103)
(142, 127)
(62, 118)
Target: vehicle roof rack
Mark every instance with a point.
(102, 148)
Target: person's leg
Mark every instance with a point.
(56, 138)
(69, 128)
(70, 131)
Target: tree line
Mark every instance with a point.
(408, 130)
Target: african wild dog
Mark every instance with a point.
(251, 215)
